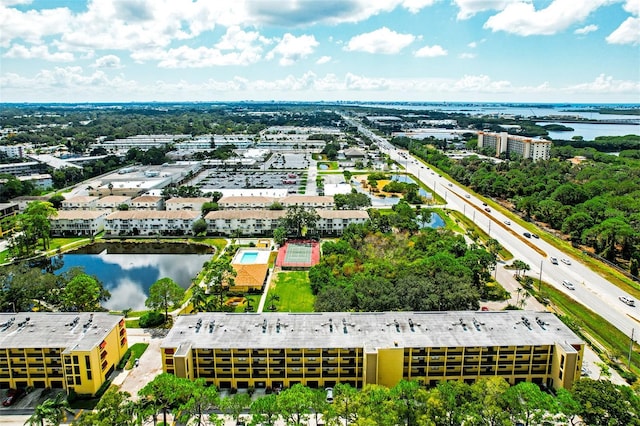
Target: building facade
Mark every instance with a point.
(534, 149)
(78, 222)
(272, 350)
(150, 222)
(80, 202)
(191, 203)
(71, 351)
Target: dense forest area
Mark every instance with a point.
(594, 201)
(369, 270)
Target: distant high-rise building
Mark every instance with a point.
(535, 149)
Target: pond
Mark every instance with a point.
(434, 221)
(323, 167)
(128, 270)
(389, 201)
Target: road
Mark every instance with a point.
(592, 290)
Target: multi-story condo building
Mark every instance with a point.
(80, 202)
(322, 349)
(194, 203)
(263, 202)
(7, 211)
(263, 222)
(14, 151)
(535, 149)
(150, 222)
(72, 351)
(248, 202)
(78, 222)
(21, 169)
(111, 202)
(147, 202)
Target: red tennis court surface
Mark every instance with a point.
(298, 254)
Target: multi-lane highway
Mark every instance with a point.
(591, 289)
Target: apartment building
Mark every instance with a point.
(535, 149)
(314, 201)
(78, 222)
(7, 211)
(322, 349)
(194, 203)
(71, 351)
(248, 202)
(150, 222)
(80, 202)
(111, 202)
(147, 202)
(263, 222)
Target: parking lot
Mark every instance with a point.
(289, 180)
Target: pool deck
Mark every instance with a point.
(262, 256)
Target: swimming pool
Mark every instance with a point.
(249, 257)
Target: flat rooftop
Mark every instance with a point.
(369, 330)
(55, 329)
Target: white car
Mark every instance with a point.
(627, 300)
(553, 260)
(507, 222)
(565, 261)
(569, 285)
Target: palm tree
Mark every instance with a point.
(198, 298)
(52, 410)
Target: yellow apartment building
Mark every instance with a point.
(72, 351)
(321, 349)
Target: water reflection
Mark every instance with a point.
(377, 201)
(128, 276)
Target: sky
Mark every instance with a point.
(562, 51)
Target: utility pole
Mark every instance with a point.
(540, 280)
(630, 349)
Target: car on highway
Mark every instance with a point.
(450, 184)
(467, 196)
(487, 209)
(565, 261)
(526, 234)
(484, 204)
(507, 222)
(569, 285)
(627, 300)
(535, 236)
(553, 260)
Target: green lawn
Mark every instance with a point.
(4, 255)
(596, 327)
(294, 292)
(136, 352)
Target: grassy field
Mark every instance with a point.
(332, 165)
(466, 223)
(294, 292)
(136, 352)
(594, 326)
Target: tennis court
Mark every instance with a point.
(299, 254)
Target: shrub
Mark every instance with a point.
(151, 319)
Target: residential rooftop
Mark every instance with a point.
(369, 330)
(69, 330)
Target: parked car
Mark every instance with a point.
(12, 397)
(553, 260)
(569, 285)
(627, 300)
(565, 261)
(526, 234)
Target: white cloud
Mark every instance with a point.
(472, 45)
(108, 61)
(14, 2)
(605, 84)
(633, 7)
(37, 52)
(382, 40)
(291, 48)
(467, 55)
(627, 33)
(323, 60)
(358, 82)
(237, 39)
(200, 57)
(522, 18)
(414, 6)
(586, 30)
(32, 26)
(468, 8)
(430, 52)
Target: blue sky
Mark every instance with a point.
(310, 50)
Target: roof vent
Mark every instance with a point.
(264, 325)
(397, 324)
(198, 324)
(411, 324)
(212, 324)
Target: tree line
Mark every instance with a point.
(596, 202)
(486, 402)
